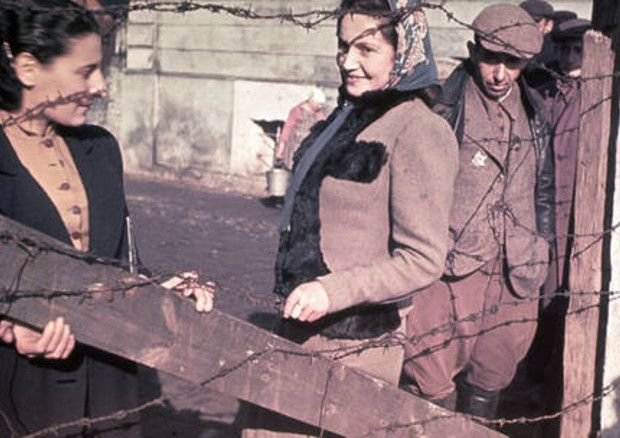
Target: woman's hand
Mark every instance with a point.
(55, 342)
(6, 331)
(308, 302)
(187, 284)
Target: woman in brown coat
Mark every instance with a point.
(365, 221)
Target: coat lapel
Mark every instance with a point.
(22, 199)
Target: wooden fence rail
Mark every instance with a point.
(155, 327)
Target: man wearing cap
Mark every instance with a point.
(563, 99)
(483, 311)
(537, 73)
(541, 12)
(560, 17)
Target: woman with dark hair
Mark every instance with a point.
(365, 220)
(63, 178)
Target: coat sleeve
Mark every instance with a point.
(423, 168)
(545, 188)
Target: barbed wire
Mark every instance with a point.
(120, 14)
(34, 249)
(93, 421)
(498, 212)
(584, 402)
(307, 19)
(30, 247)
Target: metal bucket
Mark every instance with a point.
(277, 181)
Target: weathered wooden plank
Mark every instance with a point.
(586, 268)
(157, 328)
(606, 18)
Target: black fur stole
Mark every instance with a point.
(299, 258)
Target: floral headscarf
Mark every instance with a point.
(414, 65)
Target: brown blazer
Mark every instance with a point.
(385, 239)
(494, 210)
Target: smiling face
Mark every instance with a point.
(496, 72)
(365, 56)
(75, 76)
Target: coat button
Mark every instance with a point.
(65, 186)
(76, 210)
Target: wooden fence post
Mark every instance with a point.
(586, 270)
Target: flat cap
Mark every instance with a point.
(537, 9)
(562, 16)
(507, 28)
(570, 30)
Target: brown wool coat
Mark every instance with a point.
(494, 210)
(385, 239)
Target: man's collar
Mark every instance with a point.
(505, 96)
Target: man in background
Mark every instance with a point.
(538, 71)
(502, 217)
(563, 100)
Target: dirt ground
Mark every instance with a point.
(231, 238)
(225, 236)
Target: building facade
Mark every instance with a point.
(189, 88)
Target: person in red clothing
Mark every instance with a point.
(297, 127)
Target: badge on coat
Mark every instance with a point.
(479, 159)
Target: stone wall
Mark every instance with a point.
(187, 87)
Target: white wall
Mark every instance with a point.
(188, 84)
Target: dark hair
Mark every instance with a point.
(43, 28)
(378, 8)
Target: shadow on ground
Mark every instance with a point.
(166, 421)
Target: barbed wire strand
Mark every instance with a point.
(501, 212)
(386, 341)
